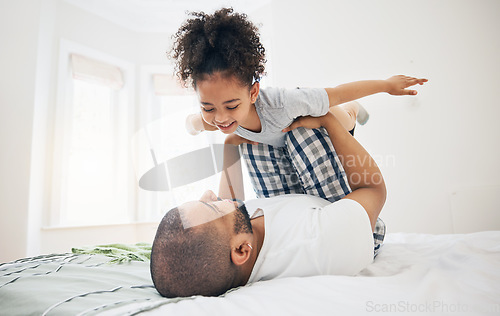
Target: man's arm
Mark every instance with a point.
(231, 181)
(363, 174)
(395, 85)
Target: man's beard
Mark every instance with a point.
(242, 223)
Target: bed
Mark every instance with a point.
(413, 273)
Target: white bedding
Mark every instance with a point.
(413, 273)
(444, 274)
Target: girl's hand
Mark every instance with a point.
(308, 122)
(234, 139)
(194, 124)
(397, 85)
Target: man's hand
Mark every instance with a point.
(397, 85)
(308, 122)
(233, 139)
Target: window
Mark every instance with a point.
(91, 184)
(162, 136)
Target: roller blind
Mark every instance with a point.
(167, 85)
(97, 72)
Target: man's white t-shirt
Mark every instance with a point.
(306, 235)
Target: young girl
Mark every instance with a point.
(222, 57)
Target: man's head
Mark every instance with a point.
(199, 248)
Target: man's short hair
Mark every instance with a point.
(192, 261)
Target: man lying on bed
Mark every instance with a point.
(209, 246)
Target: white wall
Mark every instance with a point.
(445, 139)
(19, 22)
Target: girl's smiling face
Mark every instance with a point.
(226, 103)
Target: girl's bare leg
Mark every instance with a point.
(350, 112)
(346, 114)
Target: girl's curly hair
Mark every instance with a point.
(222, 42)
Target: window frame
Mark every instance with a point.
(63, 123)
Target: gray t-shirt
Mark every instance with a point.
(277, 108)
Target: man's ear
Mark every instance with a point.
(241, 250)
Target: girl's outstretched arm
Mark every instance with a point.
(396, 85)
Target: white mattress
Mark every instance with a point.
(413, 273)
